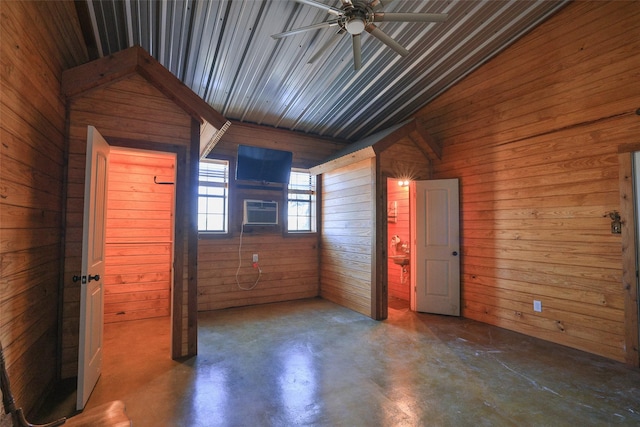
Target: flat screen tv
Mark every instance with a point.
(263, 165)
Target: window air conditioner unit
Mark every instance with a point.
(260, 212)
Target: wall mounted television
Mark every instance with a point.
(263, 165)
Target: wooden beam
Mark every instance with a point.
(425, 142)
(192, 242)
(96, 73)
(394, 137)
(346, 160)
(174, 89)
(136, 60)
(367, 148)
(629, 251)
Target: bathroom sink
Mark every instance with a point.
(400, 259)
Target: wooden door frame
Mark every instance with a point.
(379, 267)
(629, 252)
(181, 211)
(380, 293)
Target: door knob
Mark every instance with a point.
(454, 253)
(96, 277)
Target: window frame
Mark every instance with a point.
(229, 209)
(314, 204)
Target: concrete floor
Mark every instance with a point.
(314, 363)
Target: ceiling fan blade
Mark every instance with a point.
(329, 9)
(375, 4)
(328, 45)
(357, 51)
(384, 38)
(325, 24)
(409, 17)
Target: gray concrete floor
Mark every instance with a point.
(314, 363)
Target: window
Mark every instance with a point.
(301, 202)
(213, 196)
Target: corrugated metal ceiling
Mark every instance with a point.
(223, 51)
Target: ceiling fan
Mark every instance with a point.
(356, 16)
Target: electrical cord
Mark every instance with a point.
(240, 264)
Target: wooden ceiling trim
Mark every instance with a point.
(390, 139)
(379, 142)
(96, 73)
(136, 60)
(346, 160)
(426, 142)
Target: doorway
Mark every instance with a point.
(399, 280)
(139, 235)
(128, 243)
(423, 246)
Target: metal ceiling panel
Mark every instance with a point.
(223, 50)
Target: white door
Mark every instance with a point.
(91, 286)
(436, 259)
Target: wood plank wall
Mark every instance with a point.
(398, 282)
(128, 109)
(38, 40)
(533, 136)
(289, 262)
(139, 238)
(348, 230)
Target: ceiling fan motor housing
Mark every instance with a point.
(356, 18)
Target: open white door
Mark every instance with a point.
(91, 287)
(437, 246)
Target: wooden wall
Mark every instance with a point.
(139, 238)
(533, 136)
(398, 282)
(348, 236)
(289, 262)
(38, 40)
(129, 109)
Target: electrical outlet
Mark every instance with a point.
(255, 257)
(537, 305)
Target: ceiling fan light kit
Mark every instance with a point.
(356, 17)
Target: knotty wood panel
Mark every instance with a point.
(533, 137)
(289, 262)
(289, 270)
(34, 50)
(348, 228)
(139, 238)
(148, 118)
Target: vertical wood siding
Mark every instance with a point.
(289, 263)
(128, 109)
(139, 239)
(533, 136)
(38, 40)
(348, 227)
